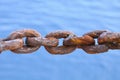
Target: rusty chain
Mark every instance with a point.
(29, 40)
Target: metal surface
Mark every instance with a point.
(60, 49)
(105, 40)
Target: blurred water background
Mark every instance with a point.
(78, 16)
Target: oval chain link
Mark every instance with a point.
(26, 48)
(60, 49)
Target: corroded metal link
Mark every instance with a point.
(60, 49)
(95, 49)
(21, 34)
(11, 44)
(79, 41)
(60, 34)
(25, 49)
(42, 41)
(109, 37)
(113, 45)
(96, 33)
(106, 40)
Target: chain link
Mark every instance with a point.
(64, 49)
(29, 40)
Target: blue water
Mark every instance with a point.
(78, 16)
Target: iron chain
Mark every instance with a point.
(15, 42)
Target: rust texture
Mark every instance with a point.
(95, 49)
(79, 41)
(109, 37)
(29, 40)
(42, 41)
(11, 45)
(96, 33)
(60, 49)
(21, 34)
